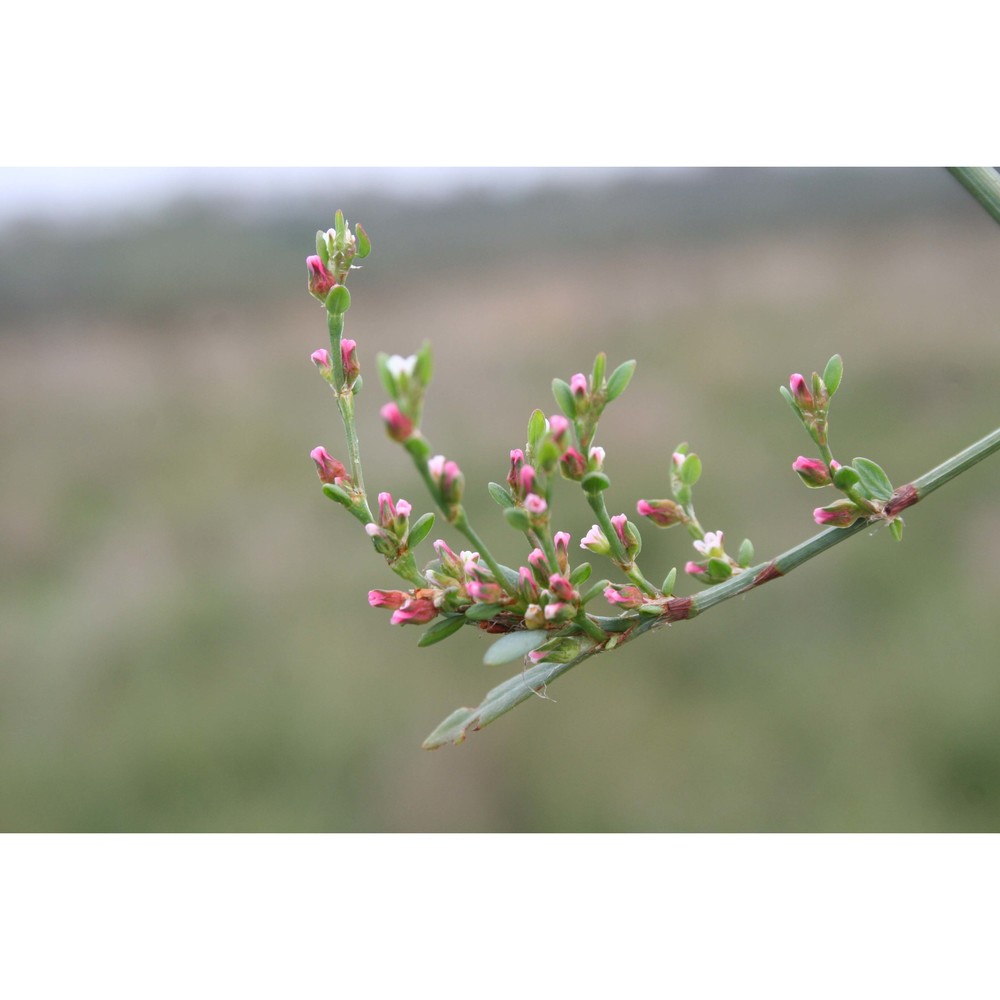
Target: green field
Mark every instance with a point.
(185, 641)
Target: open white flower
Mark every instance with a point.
(398, 365)
(711, 545)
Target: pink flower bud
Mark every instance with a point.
(540, 565)
(800, 393)
(596, 541)
(839, 514)
(349, 355)
(514, 476)
(416, 611)
(618, 522)
(526, 585)
(573, 464)
(562, 588)
(559, 611)
(595, 461)
(393, 599)
(527, 479)
(398, 426)
(450, 561)
(811, 471)
(625, 596)
(372, 530)
(661, 512)
(403, 508)
(699, 572)
(328, 468)
(578, 383)
(451, 483)
(320, 279)
(484, 593)
(386, 509)
(322, 360)
(558, 425)
(535, 504)
(711, 545)
(562, 540)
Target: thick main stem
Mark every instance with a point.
(983, 183)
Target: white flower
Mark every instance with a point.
(711, 545)
(398, 365)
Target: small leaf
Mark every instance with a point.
(536, 428)
(845, 477)
(790, 400)
(874, 479)
(420, 530)
(482, 612)
(517, 518)
(364, 243)
(580, 575)
(513, 646)
(441, 630)
(501, 495)
(418, 447)
(620, 379)
(335, 492)
(745, 556)
(338, 300)
(669, 581)
(595, 482)
(512, 578)
(564, 397)
(385, 376)
(321, 247)
(600, 362)
(424, 367)
(833, 373)
(719, 569)
(691, 470)
(896, 527)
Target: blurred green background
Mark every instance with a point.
(185, 639)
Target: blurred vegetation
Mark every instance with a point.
(184, 633)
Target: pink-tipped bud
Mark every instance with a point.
(322, 360)
(327, 467)
(625, 596)
(527, 479)
(484, 593)
(416, 611)
(349, 355)
(562, 540)
(559, 611)
(839, 514)
(618, 522)
(526, 585)
(664, 513)
(578, 383)
(562, 588)
(535, 504)
(320, 279)
(812, 471)
(595, 460)
(397, 425)
(572, 464)
(540, 565)
(392, 599)
(698, 572)
(596, 541)
(800, 393)
(514, 476)
(451, 483)
(558, 426)
(451, 562)
(403, 508)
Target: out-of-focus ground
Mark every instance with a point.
(184, 633)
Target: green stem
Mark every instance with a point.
(532, 680)
(983, 183)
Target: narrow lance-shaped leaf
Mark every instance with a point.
(482, 612)
(833, 373)
(564, 397)
(536, 428)
(420, 530)
(514, 646)
(441, 630)
(501, 495)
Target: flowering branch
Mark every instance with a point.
(541, 610)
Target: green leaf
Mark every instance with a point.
(845, 477)
(669, 581)
(548, 455)
(335, 492)
(321, 248)
(517, 518)
(501, 495)
(595, 482)
(620, 379)
(424, 368)
(385, 376)
(600, 363)
(441, 630)
(564, 397)
(340, 226)
(536, 428)
(364, 243)
(691, 470)
(873, 478)
(511, 576)
(896, 527)
(719, 569)
(581, 574)
(338, 301)
(745, 556)
(790, 400)
(833, 373)
(420, 530)
(482, 612)
(514, 646)
(418, 447)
